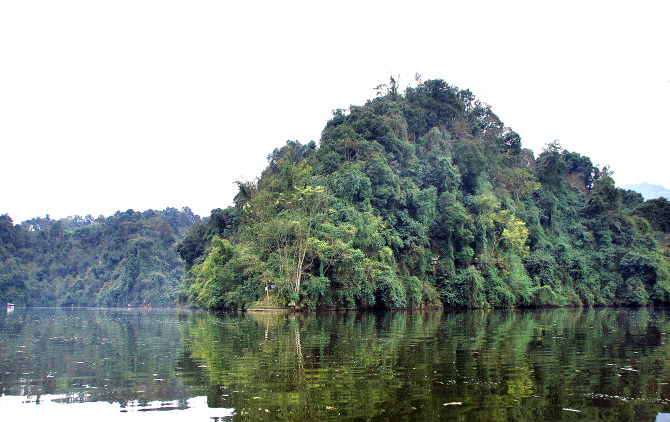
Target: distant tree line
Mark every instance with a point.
(129, 258)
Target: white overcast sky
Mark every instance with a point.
(111, 105)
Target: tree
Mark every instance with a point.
(549, 165)
(514, 233)
(307, 208)
(471, 163)
(604, 197)
(657, 212)
(519, 181)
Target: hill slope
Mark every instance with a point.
(128, 258)
(426, 198)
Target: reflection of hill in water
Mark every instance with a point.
(509, 365)
(91, 355)
(501, 365)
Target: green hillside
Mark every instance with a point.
(129, 258)
(425, 198)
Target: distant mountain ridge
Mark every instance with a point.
(650, 191)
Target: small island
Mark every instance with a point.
(426, 199)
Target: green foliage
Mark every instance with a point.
(390, 290)
(414, 291)
(604, 198)
(414, 199)
(520, 284)
(550, 166)
(129, 258)
(545, 296)
(471, 163)
(657, 212)
(498, 293)
(225, 278)
(519, 181)
(469, 290)
(427, 197)
(219, 223)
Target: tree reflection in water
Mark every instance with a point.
(500, 365)
(562, 364)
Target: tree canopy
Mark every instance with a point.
(418, 198)
(129, 258)
(426, 198)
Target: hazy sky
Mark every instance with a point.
(111, 105)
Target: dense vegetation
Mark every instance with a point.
(426, 198)
(418, 199)
(128, 258)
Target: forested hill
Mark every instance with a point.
(127, 258)
(425, 198)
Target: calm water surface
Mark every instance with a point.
(548, 365)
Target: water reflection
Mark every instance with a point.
(90, 355)
(543, 365)
(603, 364)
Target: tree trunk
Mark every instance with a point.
(298, 273)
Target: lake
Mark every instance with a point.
(487, 365)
